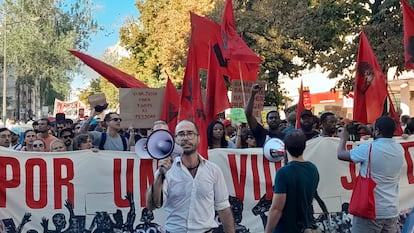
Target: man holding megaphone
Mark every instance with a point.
(191, 186)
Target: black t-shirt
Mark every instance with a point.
(299, 180)
(311, 135)
(260, 134)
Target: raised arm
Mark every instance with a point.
(343, 153)
(251, 120)
(87, 123)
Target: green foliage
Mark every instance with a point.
(158, 42)
(290, 36)
(39, 33)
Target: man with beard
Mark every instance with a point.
(328, 121)
(272, 118)
(66, 135)
(192, 187)
(43, 132)
(307, 120)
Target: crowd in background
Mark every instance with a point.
(67, 135)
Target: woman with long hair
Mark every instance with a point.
(216, 137)
(28, 138)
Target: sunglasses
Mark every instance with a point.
(67, 136)
(116, 119)
(37, 145)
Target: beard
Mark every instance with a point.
(307, 127)
(188, 151)
(331, 131)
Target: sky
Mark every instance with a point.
(110, 14)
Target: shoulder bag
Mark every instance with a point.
(362, 202)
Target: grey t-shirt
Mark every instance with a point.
(387, 158)
(111, 143)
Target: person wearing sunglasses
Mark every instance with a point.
(66, 135)
(111, 139)
(39, 145)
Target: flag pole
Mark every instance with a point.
(242, 86)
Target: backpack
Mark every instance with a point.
(103, 139)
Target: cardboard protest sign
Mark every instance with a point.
(241, 93)
(140, 107)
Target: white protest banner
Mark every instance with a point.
(36, 185)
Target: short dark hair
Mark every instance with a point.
(325, 115)
(295, 142)
(108, 116)
(66, 130)
(61, 122)
(386, 126)
(273, 111)
(5, 129)
(45, 119)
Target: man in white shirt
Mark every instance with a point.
(192, 188)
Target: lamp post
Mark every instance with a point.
(4, 109)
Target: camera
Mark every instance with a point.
(353, 130)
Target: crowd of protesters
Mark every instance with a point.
(92, 134)
(107, 134)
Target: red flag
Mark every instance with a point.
(408, 20)
(234, 48)
(394, 115)
(216, 98)
(191, 100)
(301, 105)
(370, 88)
(206, 33)
(171, 105)
(117, 77)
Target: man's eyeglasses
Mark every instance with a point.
(37, 145)
(189, 134)
(5, 136)
(116, 119)
(67, 136)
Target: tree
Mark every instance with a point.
(159, 40)
(39, 34)
(290, 36)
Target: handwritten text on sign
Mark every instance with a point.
(140, 107)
